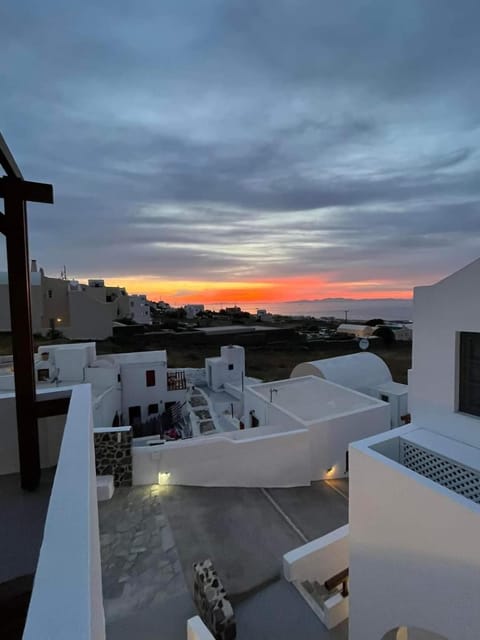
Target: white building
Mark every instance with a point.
(423, 513)
(363, 372)
(333, 416)
(127, 388)
(402, 332)
(414, 518)
(192, 310)
(79, 311)
(357, 330)
(148, 386)
(140, 309)
(228, 368)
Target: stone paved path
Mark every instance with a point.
(140, 565)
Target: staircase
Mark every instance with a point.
(329, 606)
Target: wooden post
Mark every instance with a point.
(15, 192)
(22, 341)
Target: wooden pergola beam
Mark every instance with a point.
(8, 161)
(26, 190)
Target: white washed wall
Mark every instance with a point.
(245, 460)
(441, 311)
(50, 432)
(413, 552)
(319, 559)
(67, 597)
(329, 439)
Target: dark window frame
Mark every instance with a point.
(150, 380)
(152, 408)
(469, 373)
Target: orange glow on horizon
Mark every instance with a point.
(180, 292)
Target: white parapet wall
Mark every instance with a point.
(196, 630)
(414, 557)
(319, 559)
(50, 431)
(253, 458)
(67, 597)
(316, 562)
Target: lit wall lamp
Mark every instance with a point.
(164, 477)
(330, 470)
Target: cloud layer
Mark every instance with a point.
(249, 141)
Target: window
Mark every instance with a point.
(384, 398)
(152, 408)
(42, 374)
(150, 378)
(230, 367)
(469, 374)
(119, 377)
(50, 293)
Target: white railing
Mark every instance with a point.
(67, 594)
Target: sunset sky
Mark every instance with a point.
(237, 150)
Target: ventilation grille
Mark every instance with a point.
(460, 479)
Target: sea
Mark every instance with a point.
(343, 309)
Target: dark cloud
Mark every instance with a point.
(235, 139)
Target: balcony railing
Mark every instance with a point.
(176, 380)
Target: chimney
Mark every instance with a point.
(34, 266)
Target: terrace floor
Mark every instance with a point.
(23, 516)
(150, 537)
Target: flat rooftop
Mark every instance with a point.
(139, 357)
(236, 328)
(312, 398)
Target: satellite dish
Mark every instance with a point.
(364, 344)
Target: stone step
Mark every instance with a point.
(317, 591)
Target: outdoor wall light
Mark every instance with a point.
(164, 477)
(330, 469)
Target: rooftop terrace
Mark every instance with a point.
(311, 398)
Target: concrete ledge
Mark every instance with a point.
(196, 630)
(320, 559)
(104, 487)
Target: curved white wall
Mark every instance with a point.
(358, 371)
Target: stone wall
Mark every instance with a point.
(113, 454)
(212, 603)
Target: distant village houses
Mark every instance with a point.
(79, 311)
